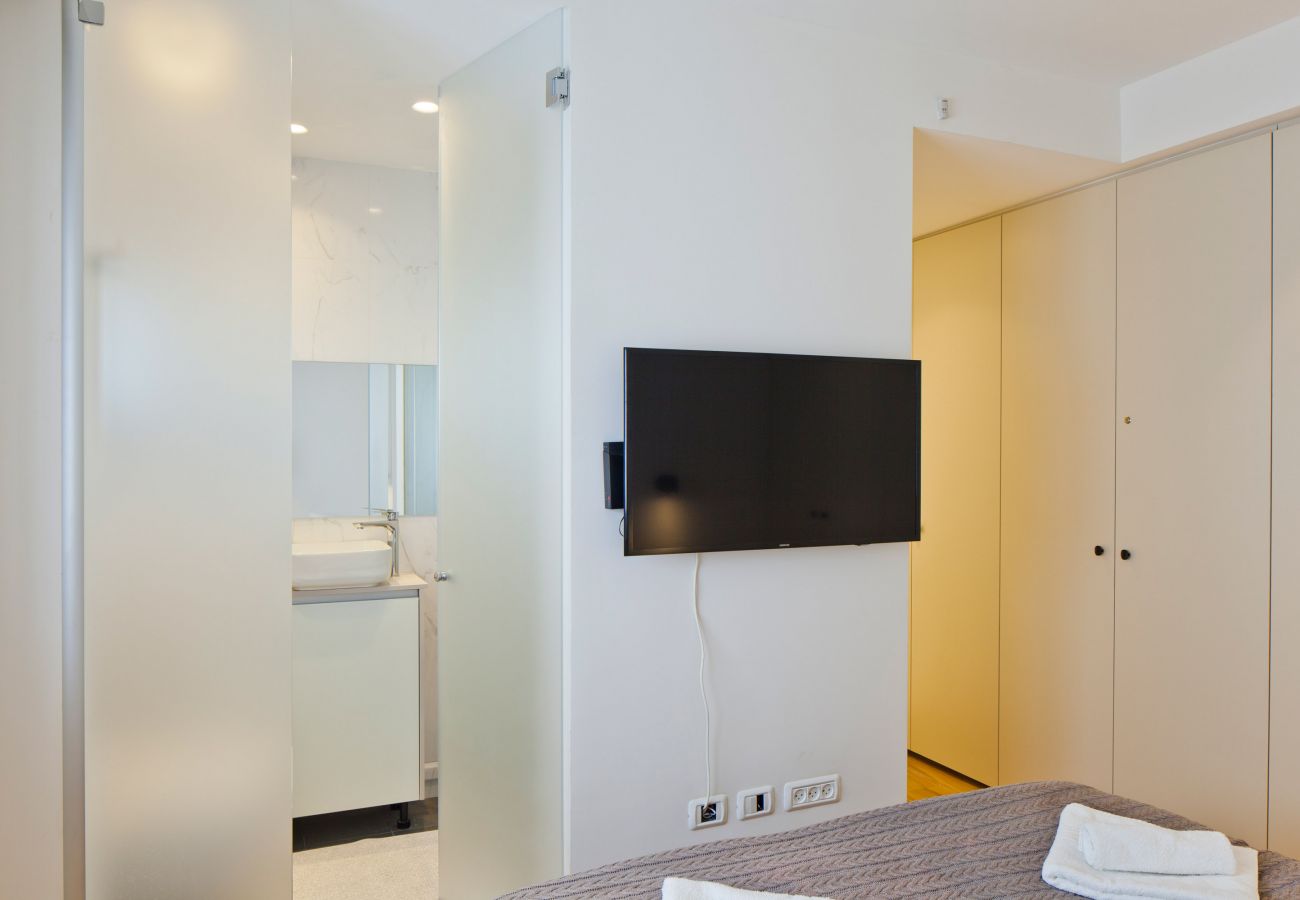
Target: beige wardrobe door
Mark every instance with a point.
(1058, 480)
(1284, 769)
(956, 313)
(1192, 487)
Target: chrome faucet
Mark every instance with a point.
(389, 522)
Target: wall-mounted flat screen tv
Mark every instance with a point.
(746, 451)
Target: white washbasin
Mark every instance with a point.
(341, 564)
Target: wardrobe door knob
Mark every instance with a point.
(1099, 550)
(1124, 554)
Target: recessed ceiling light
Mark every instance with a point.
(375, 210)
(295, 128)
(428, 107)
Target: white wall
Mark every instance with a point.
(31, 862)
(1253, 79)
(995, 101)
(187, 450)
(364, 251)
(770, 210)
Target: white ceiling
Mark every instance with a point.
(359, 64)
(1111, 42)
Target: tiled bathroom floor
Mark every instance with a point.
(311, 832)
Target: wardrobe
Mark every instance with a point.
(1141, 487)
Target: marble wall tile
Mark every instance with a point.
(364, 263)
(418, 553)
(418, 548)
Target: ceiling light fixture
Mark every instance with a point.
(295, 128)
(428, 107)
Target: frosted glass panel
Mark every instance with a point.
(31, 748)
(500, 516)
(188, 779)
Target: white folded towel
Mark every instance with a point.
(1120, 844)
(682, 889)
(1066, 869)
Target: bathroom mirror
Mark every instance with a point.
(364, 438)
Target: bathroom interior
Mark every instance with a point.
(365, 495)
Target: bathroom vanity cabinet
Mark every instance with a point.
(356, 697)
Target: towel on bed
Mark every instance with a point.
(1120, 844)
(1066, 869)
(682, 889)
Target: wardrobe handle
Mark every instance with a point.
(1124, 554)
(1099, 550)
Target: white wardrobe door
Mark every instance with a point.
(954, 622)
(1284, 770)
(1058, 475)
(1192, 487)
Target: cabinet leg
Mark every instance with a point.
(403, 816)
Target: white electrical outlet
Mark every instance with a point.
(706, 812)
(812, 792)
(754, 802)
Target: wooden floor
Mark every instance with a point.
(927, 779)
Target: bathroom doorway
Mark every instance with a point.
(427, 186)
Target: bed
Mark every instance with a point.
(988, 843)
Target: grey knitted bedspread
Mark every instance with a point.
(988, 843)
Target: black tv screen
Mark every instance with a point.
(745, 451)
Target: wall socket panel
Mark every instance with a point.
(706, 812)
(754, 802)
(811, 792)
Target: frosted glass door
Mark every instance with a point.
(499, 470)
(187, 624)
